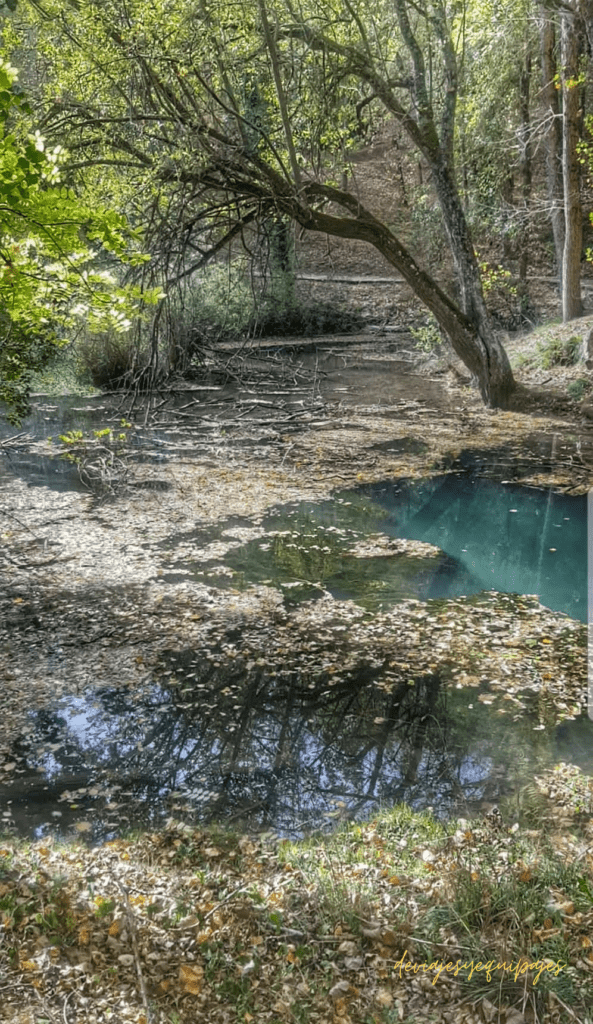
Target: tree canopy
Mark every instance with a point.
(203, 119)
(53, 250)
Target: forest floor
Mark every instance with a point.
(189, 925)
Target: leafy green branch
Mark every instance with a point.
(58, 256)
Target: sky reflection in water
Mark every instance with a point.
(203, 744)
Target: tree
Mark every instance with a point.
(497, 126)
(564, 29)
(50, 241)
(168, 105)
(572, 305)
(429, 121)
(553, 135)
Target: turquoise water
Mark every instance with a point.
(492, 536)
(513, 539)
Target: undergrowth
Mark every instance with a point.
(559, 352)
(402, 917)
(63, 376)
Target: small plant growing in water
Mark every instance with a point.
(101, 459)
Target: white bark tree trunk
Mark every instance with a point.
(553, 137)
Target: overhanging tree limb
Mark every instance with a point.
(196, 78)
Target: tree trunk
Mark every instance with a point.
(572, 305)
(495, 376)
(437, 146)
(471, 337)
(553, 138)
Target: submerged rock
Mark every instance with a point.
(382, 546)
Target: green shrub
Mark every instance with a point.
(23, 352)
(427, 338)
(559, 352)
(426, 232)
(222, 306)
(578, 388)
(522, 361)
(64, 375)
(216, 306)
(109, 360)
(302, 319)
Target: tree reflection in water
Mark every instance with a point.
(214, 738)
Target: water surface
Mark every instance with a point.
(207, 737)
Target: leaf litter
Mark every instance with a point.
(189, 925)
